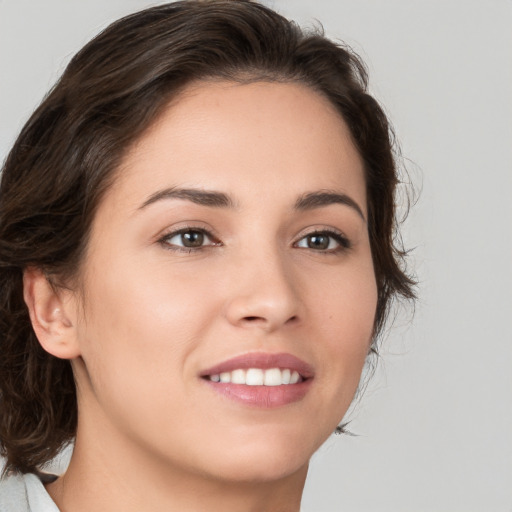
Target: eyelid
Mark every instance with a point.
(175, 231)
(344, 242)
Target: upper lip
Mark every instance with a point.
(263, 361)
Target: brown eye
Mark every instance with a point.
(192, 238)
(188, 239)
(326, 241)
(318, 241)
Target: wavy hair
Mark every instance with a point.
(66, 156)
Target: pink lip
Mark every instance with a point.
(262, 396)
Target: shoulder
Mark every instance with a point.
(24, 493)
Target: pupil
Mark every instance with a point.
(193, 239)
(318, 242)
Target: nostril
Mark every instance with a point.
(253, 319)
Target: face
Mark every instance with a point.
(228, 287)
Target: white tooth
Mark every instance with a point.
(293, 379)
(254, 377)
(272, 377)
(238, 377)
(285, 376)
(225, 377)
(215, 378)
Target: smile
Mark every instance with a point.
(259, 377)
(261, 380)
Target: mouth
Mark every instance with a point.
(259, 377)
(261, 380)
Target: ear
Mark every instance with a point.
(52, 313)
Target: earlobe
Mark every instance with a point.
(51, 315)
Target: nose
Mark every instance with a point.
(264, 295)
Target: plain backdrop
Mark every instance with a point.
(435, 425)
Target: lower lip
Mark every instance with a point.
(266, 397)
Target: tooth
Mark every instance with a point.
(258, 377)
(294, 377)
(238, 377)
(225, 377)
(272, 377)
(254, 377)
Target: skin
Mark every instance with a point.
(150, 315)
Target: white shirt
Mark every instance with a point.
(24, 493)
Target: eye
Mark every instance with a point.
(327, 241)
(188, 238)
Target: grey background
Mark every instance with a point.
(435, 425)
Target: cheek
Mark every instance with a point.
(141, 329)
(141, 326)
(139, 301)
(347, 303)
(346, 314)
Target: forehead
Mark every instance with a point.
(248, 140)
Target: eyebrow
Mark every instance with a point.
(314, 200)
(201, 197)
(216, 199)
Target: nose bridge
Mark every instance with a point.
(264, 293)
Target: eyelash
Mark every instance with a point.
(343, 243)
(164, 240)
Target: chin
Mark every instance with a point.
(262, 471)
(263, 459)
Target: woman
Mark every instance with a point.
(197, 257)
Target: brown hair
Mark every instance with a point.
(65, 157)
